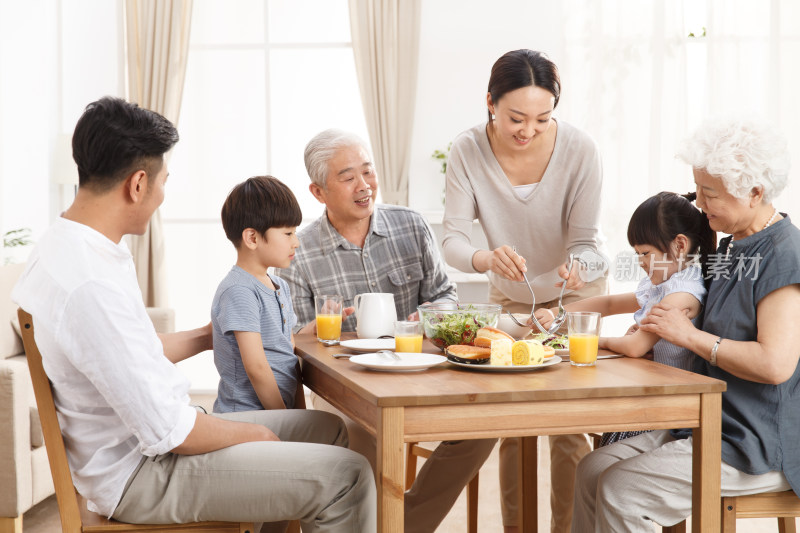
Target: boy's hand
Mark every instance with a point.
(544, 316)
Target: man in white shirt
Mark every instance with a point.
(137, 450)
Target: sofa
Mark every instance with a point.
(24, 471)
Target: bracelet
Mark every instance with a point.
(713, 359)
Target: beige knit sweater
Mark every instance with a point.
(560, 216)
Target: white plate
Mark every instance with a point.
(497, 368)
(408, 361)
(562, 351)
(368, 345)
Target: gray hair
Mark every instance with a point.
(321, 149)
(744, 153)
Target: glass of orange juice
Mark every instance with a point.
(583, 331)
(407, 336)
(329, 318)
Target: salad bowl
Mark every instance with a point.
(448, 323)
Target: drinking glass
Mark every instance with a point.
(407, 336)
(583, 331)
(329, 318)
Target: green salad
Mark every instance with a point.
(558, 342)
(445, 329)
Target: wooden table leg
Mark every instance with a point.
(529, 498)
(390, 460)
(707, 443)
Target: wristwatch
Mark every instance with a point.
(713, 359)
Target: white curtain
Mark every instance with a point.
(158, 45)
(385, 37)
(640, 76)
(623, 75)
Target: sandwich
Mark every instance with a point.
(470, 355)
(486, 335)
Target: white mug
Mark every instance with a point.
(375, 314)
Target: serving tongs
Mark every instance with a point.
(562, 314)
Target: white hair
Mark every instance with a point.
(744, 153)
(321, 149)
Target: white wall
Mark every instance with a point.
(27, 98)
(55, 57)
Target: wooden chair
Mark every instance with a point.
(75, 517)
(413, 451)
(783, 505)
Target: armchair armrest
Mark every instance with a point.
(15, 447)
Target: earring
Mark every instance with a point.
(493, 116)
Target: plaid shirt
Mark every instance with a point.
(399, 256)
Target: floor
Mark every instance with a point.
(43, 518)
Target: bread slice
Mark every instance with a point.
(485, 335)
(470, 355)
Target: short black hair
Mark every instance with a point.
(114, 138)
(261, 202)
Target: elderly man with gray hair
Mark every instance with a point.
(358, 247)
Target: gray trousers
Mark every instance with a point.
(630, 484)
(440, 480)
(328, 488)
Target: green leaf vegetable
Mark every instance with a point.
(558, 342)
(446, 329)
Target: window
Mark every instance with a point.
(263, 77)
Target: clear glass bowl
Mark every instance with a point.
(447, 323)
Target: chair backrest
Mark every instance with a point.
(53, 441)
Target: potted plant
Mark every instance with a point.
(15, 240)
(440, 156)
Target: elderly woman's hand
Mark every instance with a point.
(668, 322)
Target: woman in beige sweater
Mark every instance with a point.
(534, 184)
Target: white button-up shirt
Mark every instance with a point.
(118, 397)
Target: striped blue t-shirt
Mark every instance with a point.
(243, 303)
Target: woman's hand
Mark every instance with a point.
(571, 273)
(544, 316)
(503, 261)
(670, 323)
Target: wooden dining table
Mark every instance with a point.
(447, 402)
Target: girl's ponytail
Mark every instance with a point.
(706, 237)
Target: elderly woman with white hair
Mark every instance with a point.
(749, 339)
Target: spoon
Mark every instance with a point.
(390, 354)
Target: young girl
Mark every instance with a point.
(672, 239)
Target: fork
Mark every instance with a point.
(562, 314)
(533, 302)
